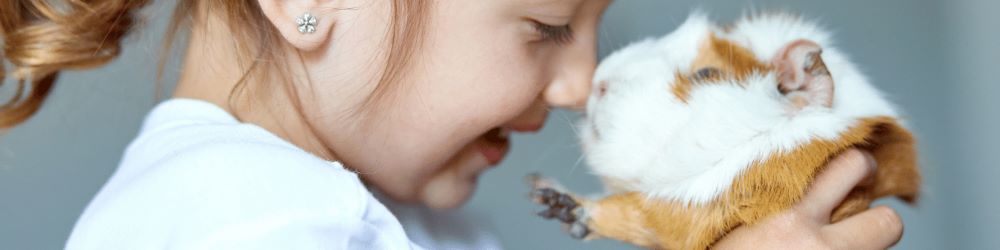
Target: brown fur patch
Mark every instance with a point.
(734, 62)
(767, 187)
(682, 87)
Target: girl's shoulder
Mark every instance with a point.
(196, 143)
(196, 177)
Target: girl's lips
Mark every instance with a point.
(495, 145)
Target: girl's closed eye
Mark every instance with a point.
(558, 34)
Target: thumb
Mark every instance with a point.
(877, 228)
(841, 175)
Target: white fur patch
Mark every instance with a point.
(641, 134)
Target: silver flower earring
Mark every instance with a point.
(307, 23)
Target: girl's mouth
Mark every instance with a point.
(495, 145)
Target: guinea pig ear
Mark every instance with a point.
(802, 76)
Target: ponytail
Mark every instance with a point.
(41, 38)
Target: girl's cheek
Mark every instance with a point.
(516, 88)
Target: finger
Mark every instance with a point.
(877, 228)
(841, 175)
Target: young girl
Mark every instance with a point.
(288, 113)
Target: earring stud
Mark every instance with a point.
(307, 23)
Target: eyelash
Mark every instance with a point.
(560, 35)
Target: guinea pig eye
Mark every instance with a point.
(707, 73)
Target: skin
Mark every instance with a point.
(807, 225)
(481, 65)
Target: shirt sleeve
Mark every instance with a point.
(378, 231)
(236, 195)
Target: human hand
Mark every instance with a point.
(807, 225)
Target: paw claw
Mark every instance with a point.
(567, 201)
(578, 231)
(559, 205)
(545, 196)
(532, 178)
(537, 182)
(548, 213)
(566, 215)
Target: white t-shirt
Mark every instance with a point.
(196, 178)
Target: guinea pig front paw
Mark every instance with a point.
(579, 229)
(565, 208)
(560, 206)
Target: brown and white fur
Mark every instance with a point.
(709, 128)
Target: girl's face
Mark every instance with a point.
(483, 68)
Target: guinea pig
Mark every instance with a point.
(712, 127)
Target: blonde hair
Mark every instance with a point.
(41, 39)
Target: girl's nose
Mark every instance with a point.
(571, 85)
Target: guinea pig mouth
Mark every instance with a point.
(593, 127)
(595, 133)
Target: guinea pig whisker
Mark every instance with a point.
(545, 153)
(570, 123)
(577, 164)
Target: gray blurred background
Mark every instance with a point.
(937, 59)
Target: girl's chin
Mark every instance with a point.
(454, 184)
(447, 193)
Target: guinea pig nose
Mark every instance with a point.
(602, 88)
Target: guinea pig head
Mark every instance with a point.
(681, 116)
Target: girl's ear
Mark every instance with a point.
(802, 76)
(305, 24)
